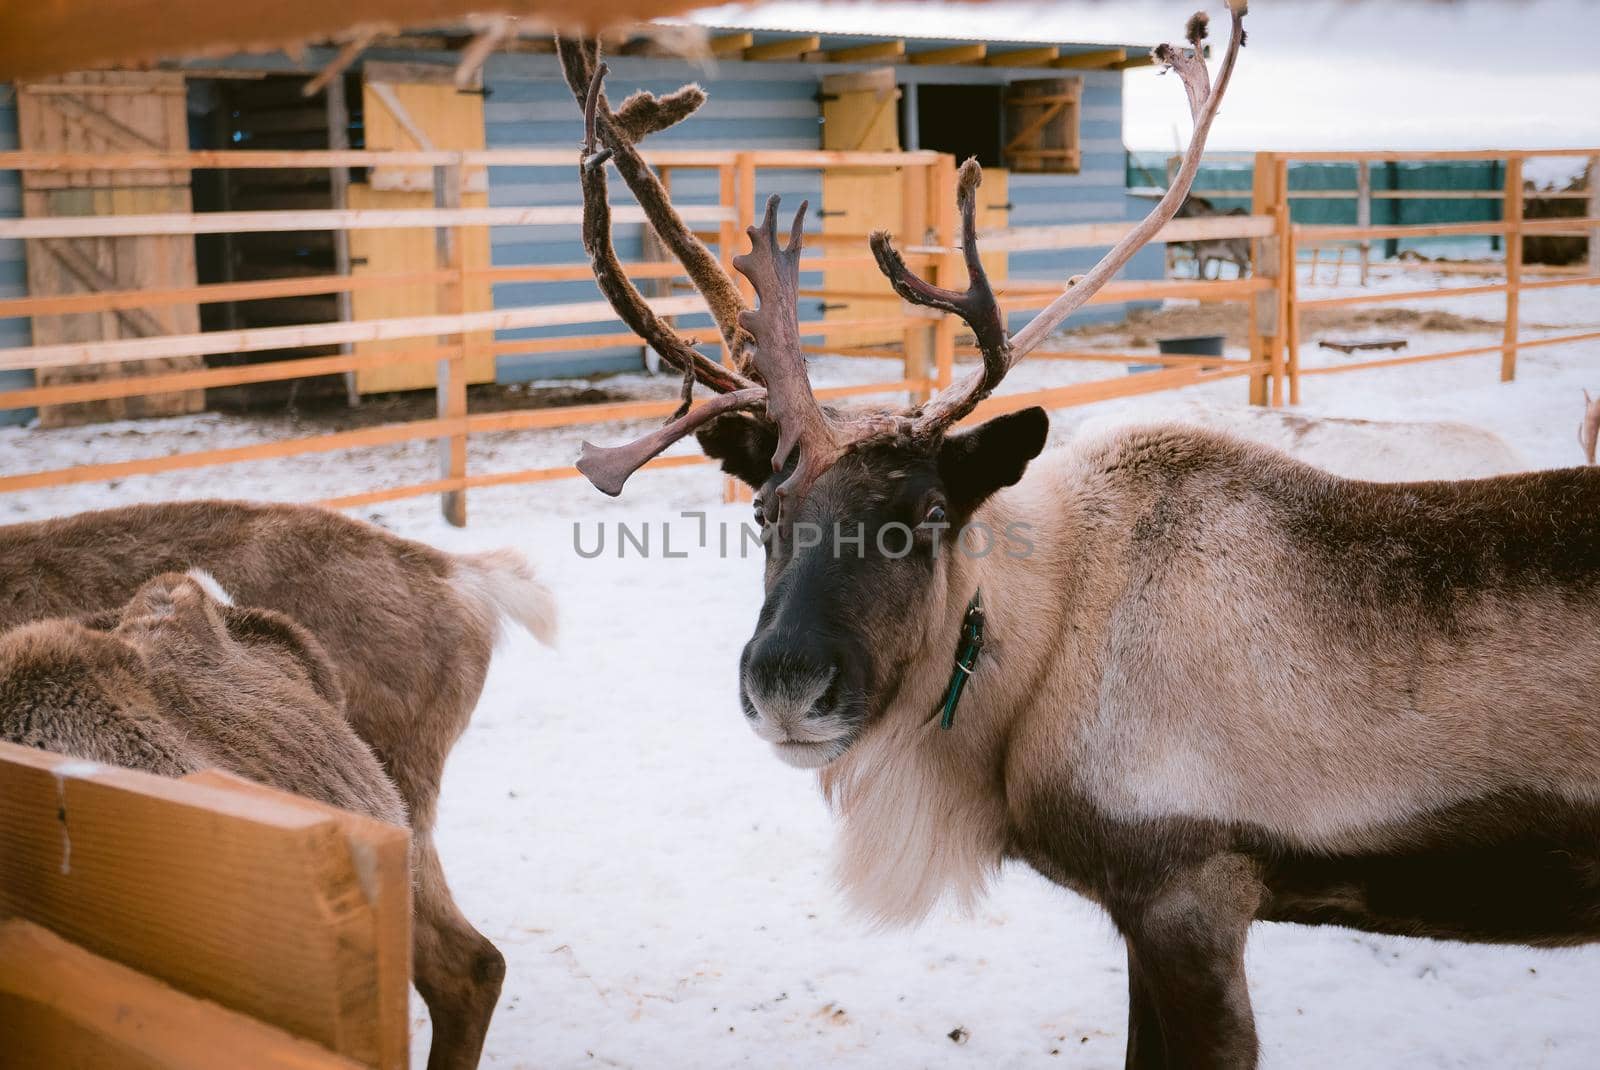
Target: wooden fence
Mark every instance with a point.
(1512, 227)
(199, 922)
(925, 346)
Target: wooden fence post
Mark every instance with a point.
(339, 183)
(451, 389)
(1594, 213)
(1364, 214)
(744, 165)
(737, 190)
(1286, 274)
(949, 270)
(1513, 220)
(1264, 198)
(1291, 285)
(918, 345)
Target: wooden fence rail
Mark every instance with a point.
(1510, 228)
(926, 347)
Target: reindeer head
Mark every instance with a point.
(863, 509)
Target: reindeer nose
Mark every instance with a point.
(790, 676)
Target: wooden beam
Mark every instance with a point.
(94, 278)
(451, 387)
(1146, 60)
(274, 906)
(1099, 235)
(123, 226)
(1098, 59)
(74, 1008)
(1512, 215)
(59, 36)
(391, 101)
(98, 122)
(260, 339)
(275, 371)
(472, 57)
(730, 45)
(340, 63)
(955, 54)
(868, 53)
(789, 48)
(1024, 57)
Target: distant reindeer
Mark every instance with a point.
(178, 681)
(1208, 685)
(1208, 251)
(409, 628)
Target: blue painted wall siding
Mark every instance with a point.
(754, 106)
(13, 269)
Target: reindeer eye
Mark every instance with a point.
(936, 514)
(761, 512)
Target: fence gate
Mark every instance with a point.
(99, 112)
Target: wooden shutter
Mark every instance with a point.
(409, 107)
(1042, 125)
(109, 111)
(860, 113)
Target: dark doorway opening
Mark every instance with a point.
(267, 112)
(963, 120)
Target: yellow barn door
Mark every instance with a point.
(860, 113)
(407, 107)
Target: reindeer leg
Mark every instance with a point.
(455, 967)
(1190, 1001)
(1147, 1047)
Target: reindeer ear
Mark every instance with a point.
(976, 463)
(743, 443)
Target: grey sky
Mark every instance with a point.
(1317, 74)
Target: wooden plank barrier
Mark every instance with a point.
(144, 919)
(62, 1006)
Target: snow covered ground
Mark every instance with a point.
(660, 884)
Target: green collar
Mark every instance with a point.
(967, 652)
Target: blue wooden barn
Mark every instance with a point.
(1045, 119)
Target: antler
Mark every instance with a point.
(978, 306)
(608, 468)
(820, 436)
(775, 274)
(642, 114)
(773, 329)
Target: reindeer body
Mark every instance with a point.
(176, 682)
(1219, 685)
(1224, 687)
(409, 629)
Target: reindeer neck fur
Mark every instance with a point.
(923, 811)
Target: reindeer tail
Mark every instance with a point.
(502, 582)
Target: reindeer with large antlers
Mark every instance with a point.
(1204, 684)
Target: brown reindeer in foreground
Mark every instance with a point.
(181, 680)
(410, 630)
(1206, 685)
